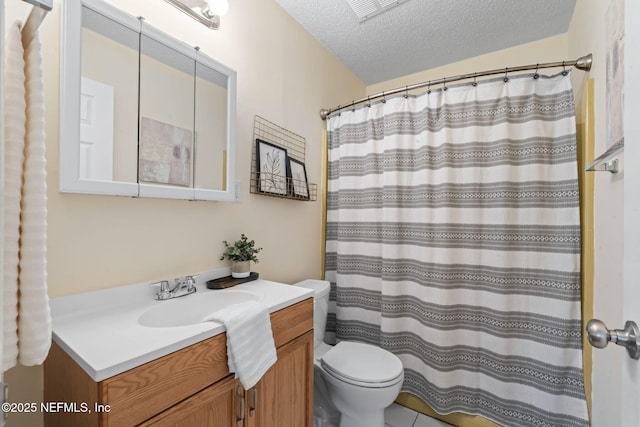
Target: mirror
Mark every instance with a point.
(167, 72)
(142, 113)
(108, 128)
(211, 116)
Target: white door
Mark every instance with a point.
(96, 130)
(2, 35)
(630, 378)
(616, 377)
(616, 386)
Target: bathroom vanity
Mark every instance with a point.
(185, 387)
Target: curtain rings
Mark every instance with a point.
(505, 79)
(353, 105)
(406, 92)
(474, 83)
(384, 100)
(535, 74)
(429, 87)
(564, 69)
(444, 83)
(369, 101)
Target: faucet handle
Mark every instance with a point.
(191, 280)
(164, 290)
(164, 286)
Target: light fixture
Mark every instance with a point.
(216, 8)
(207, 12)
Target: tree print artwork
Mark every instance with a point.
(271, 167)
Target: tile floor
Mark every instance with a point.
(399, 416)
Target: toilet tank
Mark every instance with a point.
(321, 290)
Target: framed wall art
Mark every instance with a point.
(299, 187)
(272, 168)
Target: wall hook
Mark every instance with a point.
(606, 161)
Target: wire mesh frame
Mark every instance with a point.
(296, 149)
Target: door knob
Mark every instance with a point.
(599, 336)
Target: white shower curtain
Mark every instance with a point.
(26, 314)
(453, 241)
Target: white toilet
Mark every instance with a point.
(360, 380)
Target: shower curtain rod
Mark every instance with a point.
(582, 63)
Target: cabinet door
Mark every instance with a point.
(218, 405)
(285, 393)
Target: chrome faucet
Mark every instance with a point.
(183, 286)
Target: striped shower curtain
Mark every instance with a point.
(453, 241)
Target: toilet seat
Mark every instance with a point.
(362, 365)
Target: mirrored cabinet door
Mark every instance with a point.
(108, 99)
(215, 117)
(167, 108)
(99, 93)
(141, 112)
(211, 128)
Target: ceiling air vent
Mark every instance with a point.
(365, 9)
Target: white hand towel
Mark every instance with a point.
(34, 320)
(250, 347)
(14, 134)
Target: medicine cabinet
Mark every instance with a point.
(142, 114)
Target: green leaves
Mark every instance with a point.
(242, 250)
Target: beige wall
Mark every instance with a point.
(285, 76)
(98, 242)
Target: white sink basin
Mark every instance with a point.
(191, 309)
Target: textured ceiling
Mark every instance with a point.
(418, 35)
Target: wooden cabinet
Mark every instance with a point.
(193, 386)
(216, 405)
(283, 397)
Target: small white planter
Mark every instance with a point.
(240, 269)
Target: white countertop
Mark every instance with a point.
(101, 332)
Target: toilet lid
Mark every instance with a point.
(363, 363)
(320, 288)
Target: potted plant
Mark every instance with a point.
(241, 253)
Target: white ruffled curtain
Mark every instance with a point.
(26, 314)
(453, 240)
